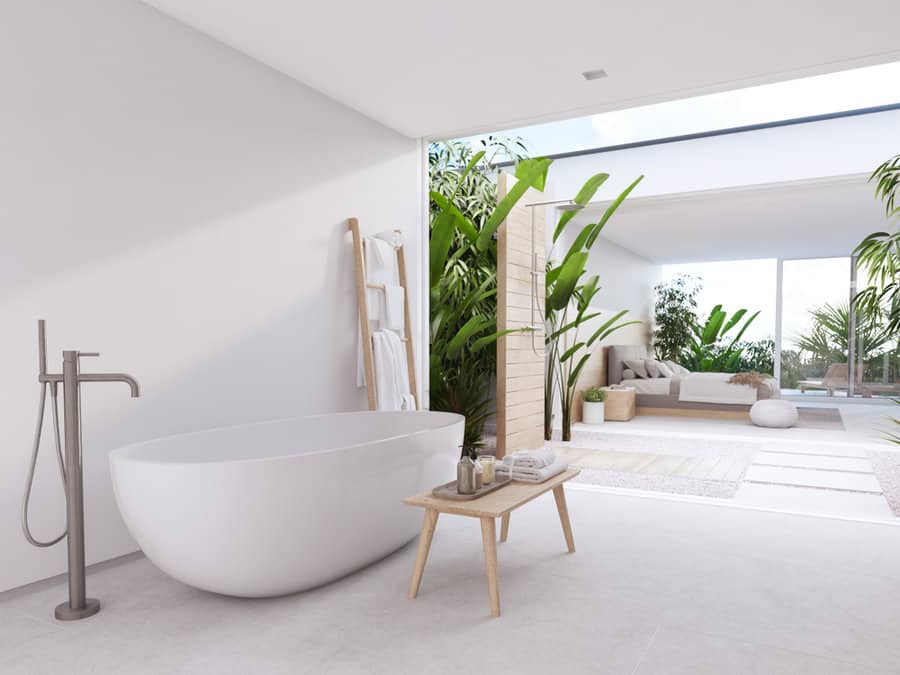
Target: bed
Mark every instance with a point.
(686, 393)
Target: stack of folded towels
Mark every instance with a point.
(531, 466)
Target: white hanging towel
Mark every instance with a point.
(391, 376)
(393, 308)
(381, 270)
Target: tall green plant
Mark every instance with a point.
(674, 312)
(879, 253)
(568, 308)
(463, 272)
(710, 349)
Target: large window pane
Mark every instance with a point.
(815, 326)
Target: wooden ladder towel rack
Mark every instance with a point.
(362, 285)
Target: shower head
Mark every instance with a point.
(561, 204)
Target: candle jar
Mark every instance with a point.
(488, 468)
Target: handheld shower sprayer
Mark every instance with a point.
(42, 369)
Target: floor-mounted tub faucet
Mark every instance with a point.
(78, 606)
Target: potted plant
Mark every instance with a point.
(594, 408)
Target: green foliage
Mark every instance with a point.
(674, 312)
(879, 253)
(710, 349)
(568, 308)
(463, 288)
(887, 186)
(593, 395)
(758, 356)
(795, 368)
(828, 336)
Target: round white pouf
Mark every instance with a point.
(774, 413)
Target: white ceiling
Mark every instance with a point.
(439, 69)
(803, 219)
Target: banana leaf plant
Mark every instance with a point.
(568, 308)
(709, 352)
(462, 323)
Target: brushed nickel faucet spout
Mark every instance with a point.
(112, 377)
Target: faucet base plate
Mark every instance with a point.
(66, 613)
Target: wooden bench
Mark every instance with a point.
(487, 509)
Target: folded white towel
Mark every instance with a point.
(535, 459)
(531, 474)
(393, 305)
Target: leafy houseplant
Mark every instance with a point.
(879, 253)
(464, 276)
(674, 312)
(709, 351)
(594, 395)
(568, 308)
(594, 407)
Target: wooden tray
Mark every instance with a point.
(448, 490)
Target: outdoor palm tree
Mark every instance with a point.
(828, 336)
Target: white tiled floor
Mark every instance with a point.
(657, 587)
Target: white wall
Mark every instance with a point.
(835, 147)
(179, 208)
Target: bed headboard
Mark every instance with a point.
(616, 355)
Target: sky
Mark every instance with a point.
(834, 92)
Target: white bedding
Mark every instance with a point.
(715, 388)
(653, 385)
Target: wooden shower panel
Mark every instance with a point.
(520, 369)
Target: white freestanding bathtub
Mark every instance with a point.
(279, 507)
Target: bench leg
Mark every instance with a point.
(559, 494)
(489, 539)
(428, 525)
(504, 527)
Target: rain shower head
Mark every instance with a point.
(561, 204)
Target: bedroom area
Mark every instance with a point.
(739, 369)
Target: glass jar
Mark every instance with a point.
(487, 463)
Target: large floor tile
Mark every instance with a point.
(679, 652)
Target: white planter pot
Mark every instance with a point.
(593, 413)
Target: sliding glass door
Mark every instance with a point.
(816, 326)
(827, 346)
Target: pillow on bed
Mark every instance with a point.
(677, 369)
(640, 370)
(628, 374)
(652, 366)
(664, 370)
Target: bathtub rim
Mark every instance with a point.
(124, 452)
